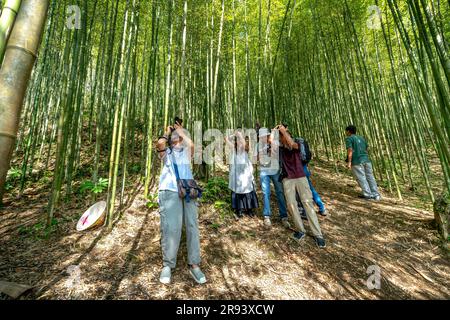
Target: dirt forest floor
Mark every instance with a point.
(241, 259)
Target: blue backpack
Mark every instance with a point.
(305, 151)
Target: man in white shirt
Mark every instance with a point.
(269, 170)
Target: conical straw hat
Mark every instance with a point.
(93, 217)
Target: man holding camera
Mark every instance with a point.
(295, 182)
(270, 171)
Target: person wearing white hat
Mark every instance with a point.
(270, 171)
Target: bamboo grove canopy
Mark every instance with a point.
(112, 73)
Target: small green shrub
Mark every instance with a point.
(135, 168)
(14, 174)
(216, 189)
(152, 201)
(96, 188)
(215, 226)
(220, 204)
(216, 192)
(8, 186)
(39, 230)
(12, 178)
(224, 211)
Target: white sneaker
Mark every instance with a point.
(267, 222)
(198, 275)
(377, 198)
(165, 276)
(285, 223)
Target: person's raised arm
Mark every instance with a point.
(290, 142)
(186, 139)
(228, 142)
(162, 144)
(240, 138)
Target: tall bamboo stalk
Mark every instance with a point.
(21, 53)
(8, 15)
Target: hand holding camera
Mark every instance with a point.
(177, 124)
(281, 128)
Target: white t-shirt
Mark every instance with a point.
(241, 173)
(167, 179)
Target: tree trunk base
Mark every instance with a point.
(442, 215)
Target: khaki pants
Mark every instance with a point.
(301, 186)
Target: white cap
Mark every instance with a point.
(263, 132)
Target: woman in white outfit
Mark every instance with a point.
(241, 180)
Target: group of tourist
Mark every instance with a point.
(283, 161)
(288, 175)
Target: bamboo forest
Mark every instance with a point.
(92, 204)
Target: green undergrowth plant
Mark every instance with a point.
(215, 189)
(13, 177)
(39, 231)
(96, 188)
(217, 194)
(152, 201)
(224, 209)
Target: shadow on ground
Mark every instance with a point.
(241, 259)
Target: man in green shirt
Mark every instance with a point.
(359, 162)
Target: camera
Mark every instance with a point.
(177, 121)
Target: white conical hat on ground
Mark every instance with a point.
(93, 216)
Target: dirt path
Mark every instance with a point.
(242, 260)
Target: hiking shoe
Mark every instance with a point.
(320, 242)
(323, 213)
(238, 215)
(198, 275)
(364, 197)
(267, 222)
(165, 276)
(377, 198)
(298, 236)
(285, 223)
